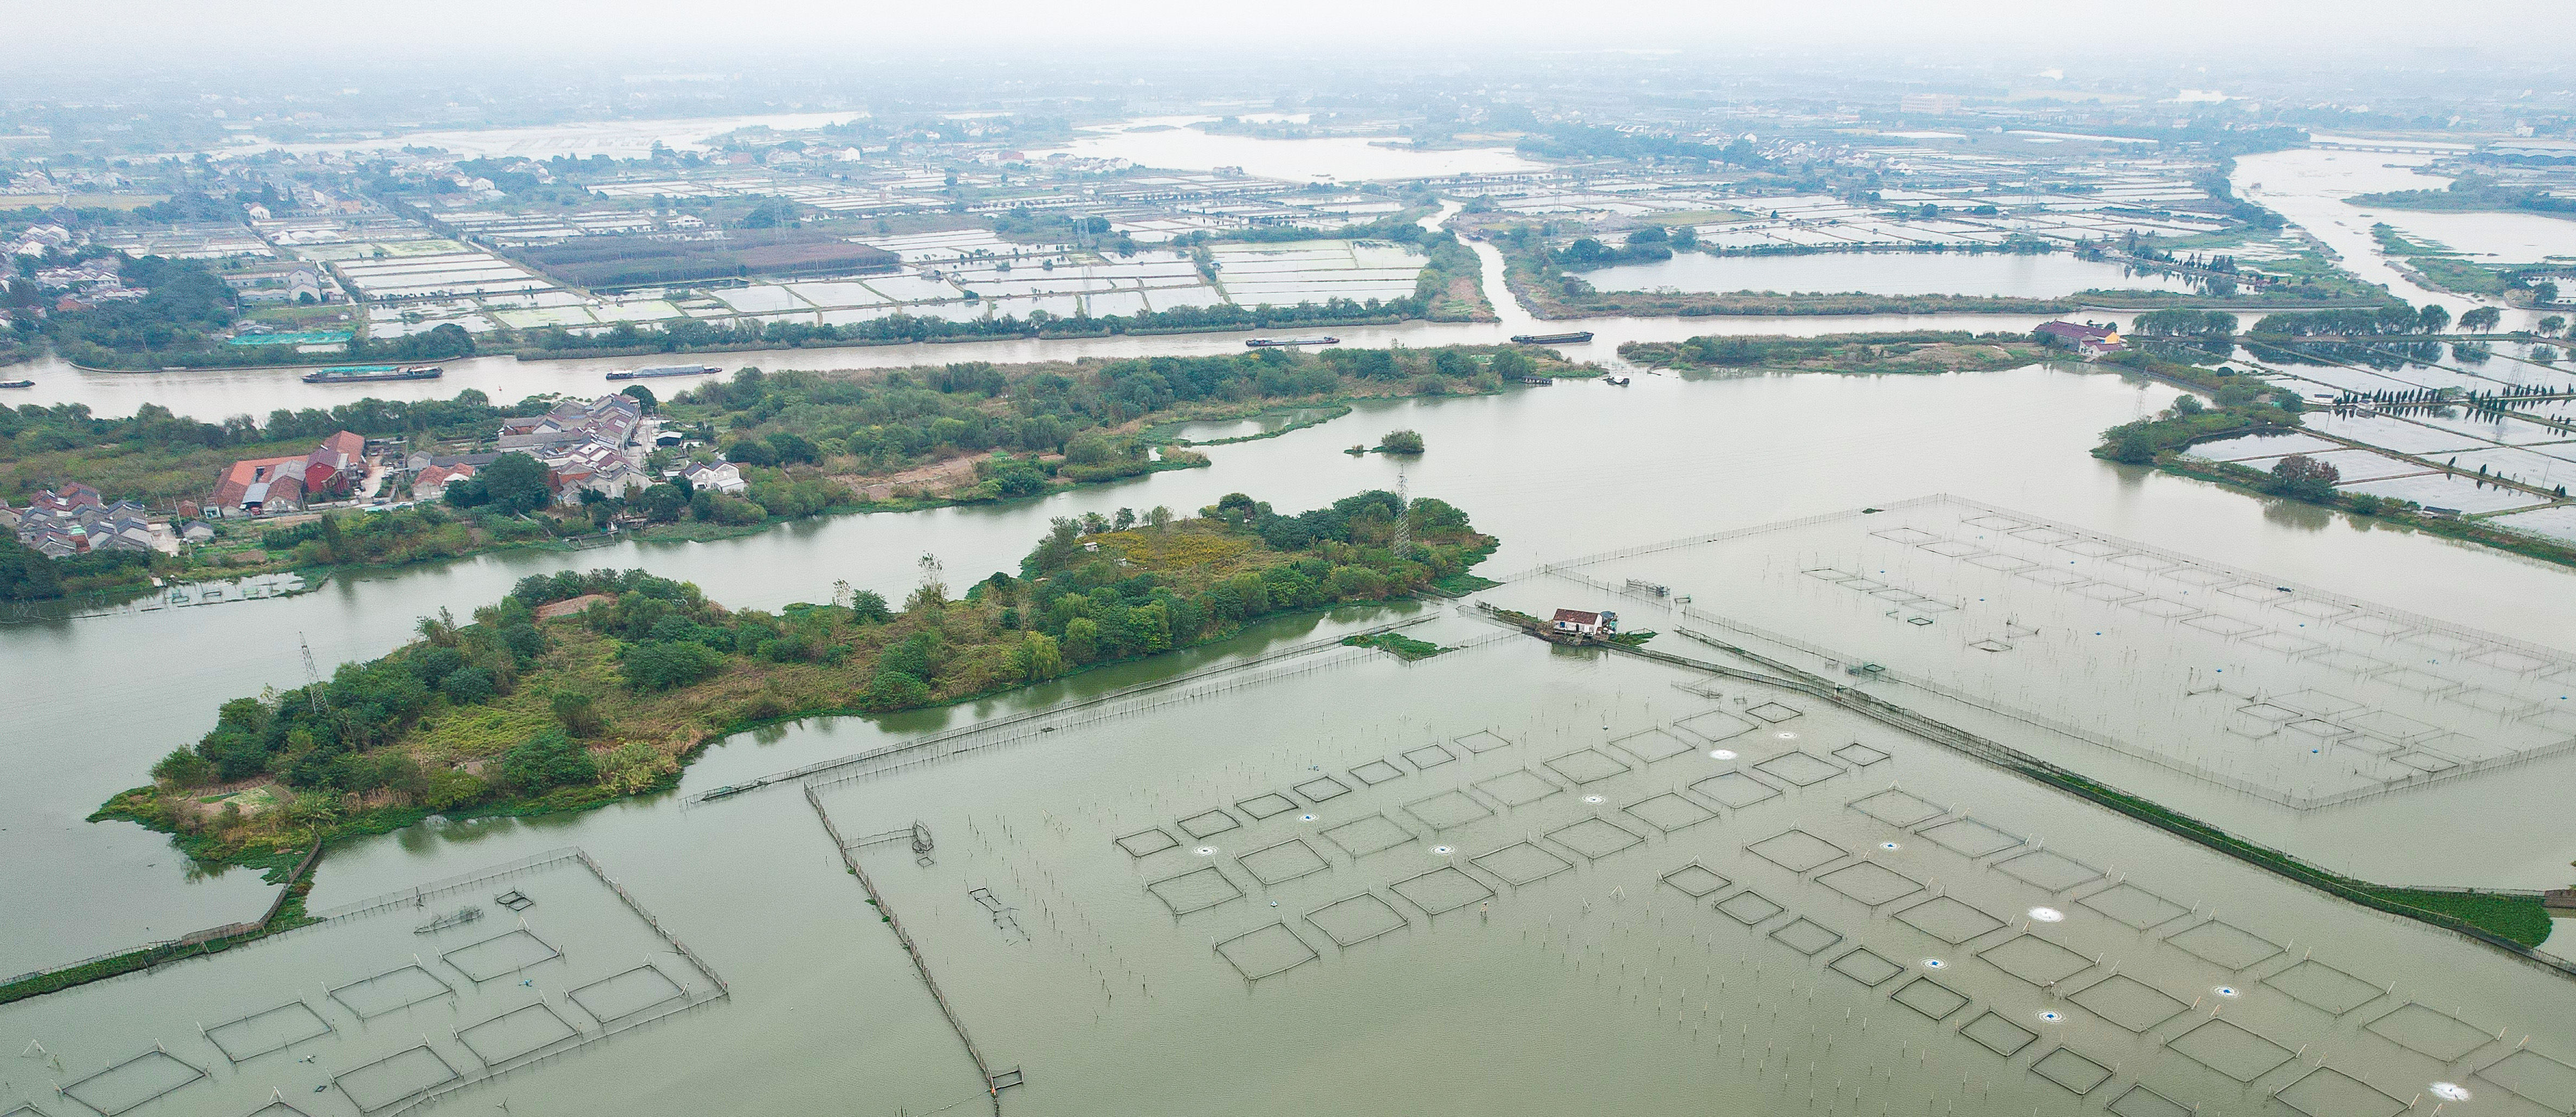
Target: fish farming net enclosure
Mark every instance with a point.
(501, 955)
(386, 1003)
(1266, 952)
(1353, 920)
(396, 1078)
(1990, 1030)
(2290, 693)
(268, 1030)
(1519, 787)
(1522, 863)
(1284, 862)
(391, 991)
(520, 1031)
(131, 1084)
(1937, 933)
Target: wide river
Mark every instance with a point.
(1557, 472)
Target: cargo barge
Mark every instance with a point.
(664, 370)
(356, 374)
(1279, 342)
(1552, 339)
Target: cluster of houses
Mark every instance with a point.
(269, 486)
(586, 446)
(76, 520)
(298, 281)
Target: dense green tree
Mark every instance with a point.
(515, 483)
(547, 760)
(466, 686)
(1512, 364)
(894, 690)
(25, 573)
(2304, 478)
(663, 665)
(185, 768)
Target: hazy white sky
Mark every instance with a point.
(171, 30)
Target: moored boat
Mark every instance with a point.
(664, 370)
(357, 374)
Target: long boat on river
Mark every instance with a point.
(1552, 339)
(664, 370)
(1278, 342)
(356, 374)
(17, 383)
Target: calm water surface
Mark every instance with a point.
(1882, 273)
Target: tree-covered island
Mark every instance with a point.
(581, 688)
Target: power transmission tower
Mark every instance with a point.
(1403, 514)
(312, 677)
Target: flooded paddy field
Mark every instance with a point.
(1882, 273)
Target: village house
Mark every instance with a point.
(593, 467)
(721, 476)
(609, 419)
(1576, 622)
(431, 483)
(268, 486)
(2087, 340)
(75, 520)
(585, 447)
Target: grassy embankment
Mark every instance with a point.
(1553, 292)
(1396, 644)
(2473, 193)
(2515, 918)
(2438, 266)
(1922, 351)
(581, 689)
